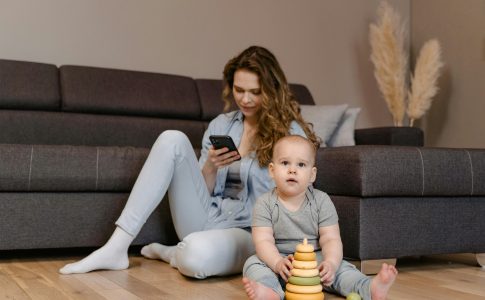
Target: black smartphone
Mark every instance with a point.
(221, 141)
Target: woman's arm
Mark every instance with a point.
(332, 251)
(266, 250)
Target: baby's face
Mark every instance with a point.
(292, 167)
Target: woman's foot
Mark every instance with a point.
(159, 251)
(101, 259)
(382, 282)
(112, 256)
(257, 291)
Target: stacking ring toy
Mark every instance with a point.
(304, 273)
(306, 256)
(303, 289)
(305, 247)
(304, 280)
(301, 264)
(293, 296)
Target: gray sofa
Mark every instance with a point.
(73, 139)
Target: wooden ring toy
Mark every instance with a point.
(306, 256)
(304, 289)
(293, 296)
(301, 264)
(305, 247)
(304, 273)
(304, 280)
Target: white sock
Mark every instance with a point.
(112, 256)
(159, 251)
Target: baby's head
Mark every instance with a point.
(293, 165)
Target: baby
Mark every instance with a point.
(293, 210)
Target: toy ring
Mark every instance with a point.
(293, 296)
(301, 264)
(304, 273)
(305, 247)
(303, 289)
(304, 280)
(306, 256)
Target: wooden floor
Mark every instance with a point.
(34, 276)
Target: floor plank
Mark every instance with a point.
(35, 276)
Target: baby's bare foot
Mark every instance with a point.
(382, 282)
(257, 291)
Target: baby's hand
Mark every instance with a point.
(327, 273)
(283, 267)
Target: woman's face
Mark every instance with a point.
(247, 93)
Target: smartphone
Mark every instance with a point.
(221, 141)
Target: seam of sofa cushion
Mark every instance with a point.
(30, 167)
(97, 169)
(471, 170)
(422, 171)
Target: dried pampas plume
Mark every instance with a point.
(390, 60)
(424, 81)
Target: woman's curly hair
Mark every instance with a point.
(279, 106)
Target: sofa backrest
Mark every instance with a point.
(121, 92)
(29, 84)
(78, 105)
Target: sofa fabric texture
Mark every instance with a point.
(372, 171)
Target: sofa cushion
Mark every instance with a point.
(371, 171)
(29, 85)
(42, 168)
(40, 127)
(210, 93)
(110, 91)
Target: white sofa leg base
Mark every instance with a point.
(372, 266)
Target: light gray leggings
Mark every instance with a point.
(173, 166)
(347, 278)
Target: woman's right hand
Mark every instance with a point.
(218, 158)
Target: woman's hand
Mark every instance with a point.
(283, 267)
(327, 273)
(221, 157)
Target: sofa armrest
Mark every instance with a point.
(401, 136)
(386, 171)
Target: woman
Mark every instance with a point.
(210, 200)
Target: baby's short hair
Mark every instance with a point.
(297, 138)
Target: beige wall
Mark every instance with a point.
(321, 43)
(456, 117)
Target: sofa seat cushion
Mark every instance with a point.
(56, 168)
(110, 91)
(372, 171)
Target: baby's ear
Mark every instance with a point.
(271, 169)
(314, 175)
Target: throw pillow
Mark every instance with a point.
(344, 133)
(325, 119)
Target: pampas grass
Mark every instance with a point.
(424, 81)
(390, 60)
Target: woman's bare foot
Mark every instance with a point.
(382, 282)
(257, 291)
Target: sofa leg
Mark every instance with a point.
(480, 259)
(372, 266)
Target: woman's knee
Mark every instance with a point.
(209, 253)
(195, 257)
(171, 138)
